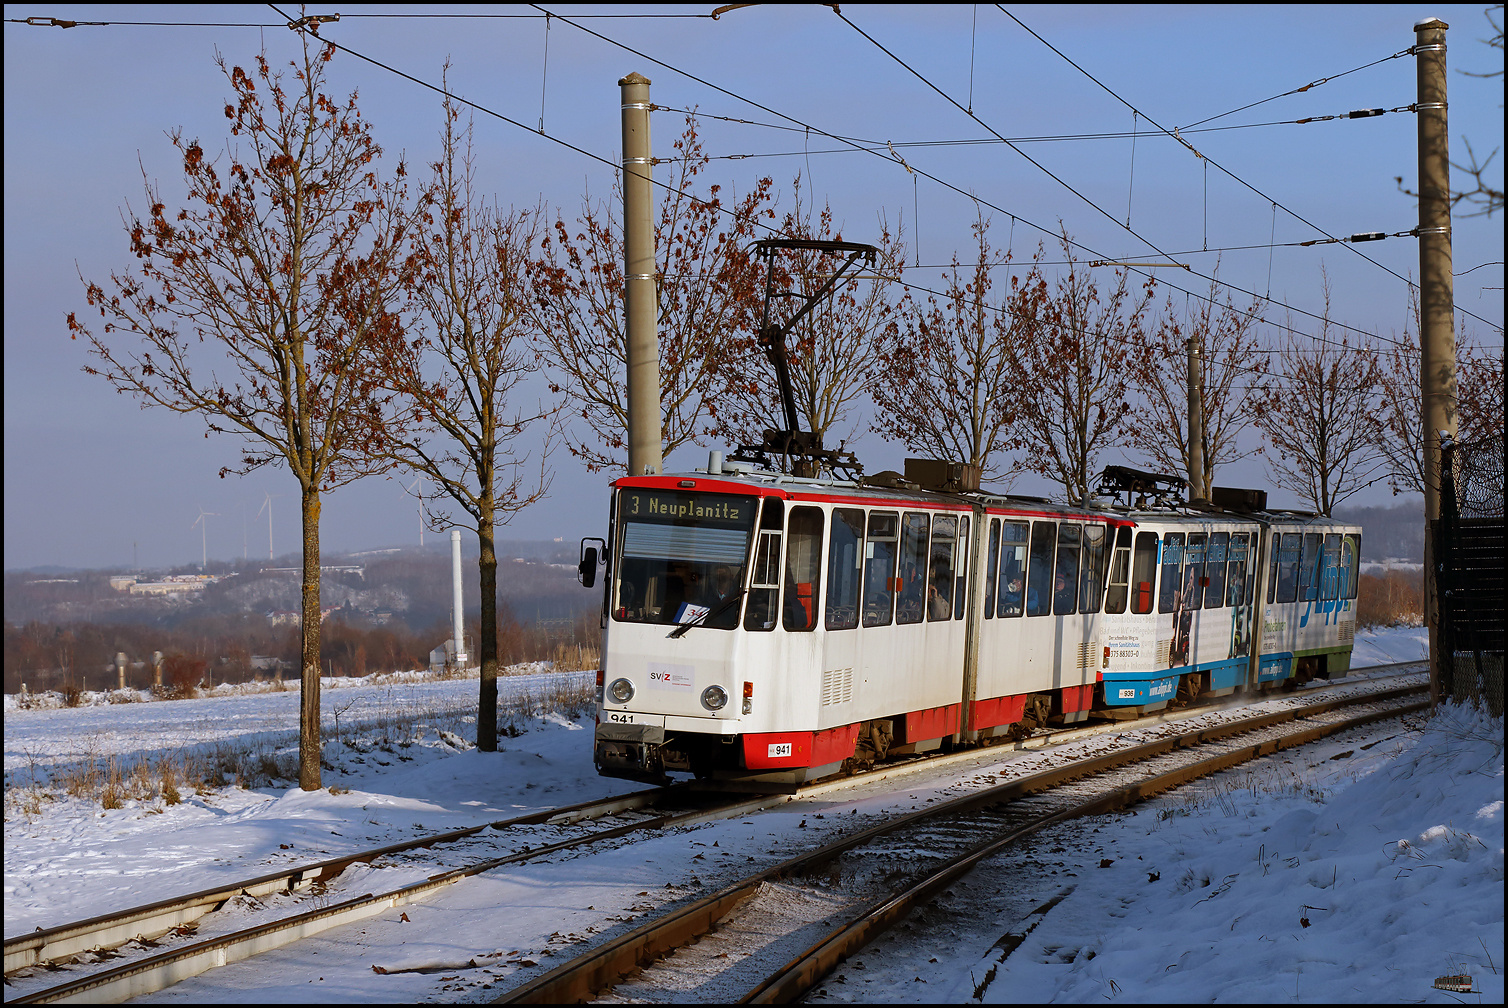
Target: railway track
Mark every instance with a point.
(528, 838)
(771, 971)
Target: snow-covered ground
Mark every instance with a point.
(1357, 871)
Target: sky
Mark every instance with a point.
(93, 480)
(1354, 870)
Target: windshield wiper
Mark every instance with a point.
(680, 631)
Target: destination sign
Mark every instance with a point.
(687, 508)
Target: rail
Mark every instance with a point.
(586, 976)
(157, 971)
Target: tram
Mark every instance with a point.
(768, 619)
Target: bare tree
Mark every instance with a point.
(1398, 420)
(282, 267)
(831, 355)
(1319, 415)
(457, 374)
(1074, 380)
(948, 384)
(1481, 460)
(706, 286)
(1225, 338)
(1486, 198)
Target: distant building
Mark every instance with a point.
(286, 617)
(359, 571)
(166, 587)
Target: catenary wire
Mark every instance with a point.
(1298, 90)
(487, 111)
(1150, 244)
(1209, 161)
(950, 186)
(62, 23)
(52, 22)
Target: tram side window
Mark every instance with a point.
(911, 604)
(1273, 544)
(1143, 571)
(1092, 575)
(1350, 563)
(1065, 588)
(1193, 571)
(1285, 563)
(1330, 586)
(764, 582)
(1039, 569)
(940, 568)
(1120, 573)
(1214, 570)
(961, 571)
(992, 568)
(1309, 567)
(879, 567)
(1172, 563)
(803, 563)
(1235, 585)
(1013, 536)
(845, 555)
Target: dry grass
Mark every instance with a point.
(1395, 598)
(160, 780)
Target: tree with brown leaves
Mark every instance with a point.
(459, 370)
(1074, 381)
(1226, 339)
(253, 306)
(948, 384)
(1399, 419)
(706, 283)
(1318, 415)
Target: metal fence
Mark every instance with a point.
(1469, 560)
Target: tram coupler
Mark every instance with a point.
(631, 752)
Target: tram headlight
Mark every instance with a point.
(714, 698)
(621, 690)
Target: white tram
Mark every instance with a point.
(760, 628)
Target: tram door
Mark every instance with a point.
(1240, 582)
(842, 681)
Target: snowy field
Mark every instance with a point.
(1358, 871)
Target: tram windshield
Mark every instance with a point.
(683, 557)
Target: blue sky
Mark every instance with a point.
(93, 480)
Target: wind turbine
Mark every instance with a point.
(267, 506)
(420, 495)
(204, 534)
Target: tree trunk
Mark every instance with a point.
(486, 717)
(309, 749)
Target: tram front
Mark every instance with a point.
(669, 688)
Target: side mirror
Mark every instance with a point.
(586, 571)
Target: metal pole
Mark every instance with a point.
(456, 628)
(1437, 338)
(1197, 489)
(640, 303)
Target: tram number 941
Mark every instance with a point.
(780, 749)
